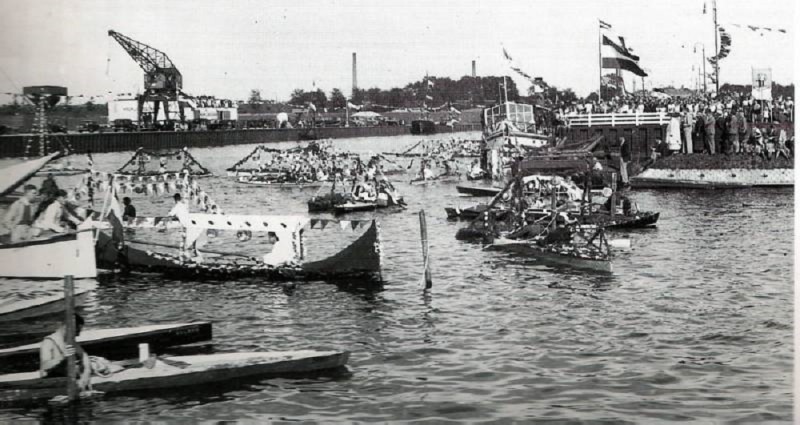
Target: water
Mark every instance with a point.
(694, 325)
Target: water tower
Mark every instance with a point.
(43, 99)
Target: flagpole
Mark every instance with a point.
(600, 61)
(716, 47)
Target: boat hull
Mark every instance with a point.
(478, 191)
(198, 370)
(530, 249)
(115, 344)
(51, 258)
(40, 306)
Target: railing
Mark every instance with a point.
(613, 120)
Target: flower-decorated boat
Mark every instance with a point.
(282, 256)
(370, 190)
(176, 162)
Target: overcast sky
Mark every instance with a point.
(227, 48)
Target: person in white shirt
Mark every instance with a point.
(282, 250)
(51, 218)
(180, 210)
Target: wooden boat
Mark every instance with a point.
(637, 220)
(54, 255)
(266, 181)
(119, 343)
(179, 371)
(39, 306)
(469, 213)
(360, 260)
(478, 190)
(435, 179)
(557, 254)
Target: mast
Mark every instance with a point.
(600, 61)
(716, 46)
(505, 88)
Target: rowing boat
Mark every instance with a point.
(119, 343)
(179, 371)
(478, 190)
(260, 181)
(39, 306)
(556, 254)
(51, 257)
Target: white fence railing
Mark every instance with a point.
(646, 118)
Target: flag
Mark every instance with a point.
(312, 107)
(604, 25)
(430, 83)
(616, 55)
(505, 53)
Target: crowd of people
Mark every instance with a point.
(755, 111)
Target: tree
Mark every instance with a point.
(318, 98)
(337, 99)
(298, 97)
(255, 97)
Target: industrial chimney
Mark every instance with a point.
(473, 69)
(355, 75)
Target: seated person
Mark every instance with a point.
(130, 211)
(561, 234)
(54, 352)
(529, 230)
(282, 251)
(19, 217)
(56, 214)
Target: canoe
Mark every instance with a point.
(469, 213)
(478, 190)
(355, 207)
(39, 306)
(553, 254)
(439, 178)
(180, 371)
(119, 343)
(272, 183)
(51, 257)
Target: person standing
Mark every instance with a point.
(624, 159)
(19, 218)
(733, 131)
(129, 212)
(710, 126)
(687, 122)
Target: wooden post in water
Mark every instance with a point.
(423, 230)
(69, 338)
(613, 195)
(553, 203)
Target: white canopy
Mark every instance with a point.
(366, 114)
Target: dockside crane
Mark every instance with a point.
(162, 80)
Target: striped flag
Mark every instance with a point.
(615, 54)
(604, 25)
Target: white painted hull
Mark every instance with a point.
(51, 258)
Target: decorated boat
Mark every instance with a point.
(178, 371)
(302, 164)
(274, 248)
(142, 163)
(370, 190)
(49, 255)
(115, 343)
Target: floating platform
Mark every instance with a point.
(713, 178)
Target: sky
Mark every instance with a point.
(227, 48)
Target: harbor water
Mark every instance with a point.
(693, 326)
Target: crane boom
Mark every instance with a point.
(160, 72)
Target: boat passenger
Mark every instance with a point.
(54, 351)
(561, 234)
(51, 218)
(19, 218)
(130, 211)
(180, 210)
(282, 250)
(49, 187)
(529, 230)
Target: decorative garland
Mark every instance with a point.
(158, 184)
(143, 156)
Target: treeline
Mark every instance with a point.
(432, 91)
(778, 90)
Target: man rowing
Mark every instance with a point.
(19, 218)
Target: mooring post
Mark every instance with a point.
(553, 205)
(69, 300)
(613, 195)
(423, 230)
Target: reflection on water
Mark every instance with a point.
(693, 325)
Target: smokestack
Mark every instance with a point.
(355, 75)
(473, 69)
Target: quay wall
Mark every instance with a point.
(15, 145)
(714, 177)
